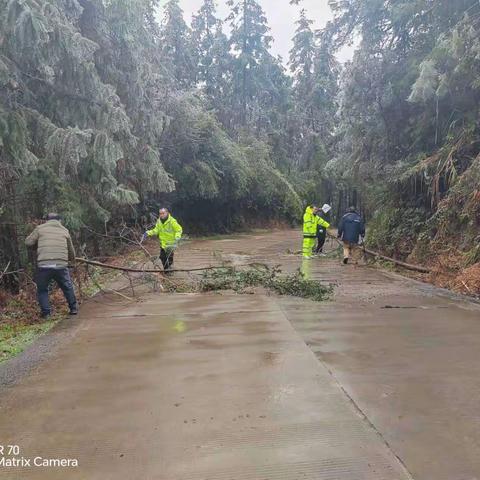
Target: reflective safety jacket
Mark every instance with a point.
(168, 232)
(311, 223)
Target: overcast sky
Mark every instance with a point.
(281, 18)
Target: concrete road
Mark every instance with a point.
(379, 383)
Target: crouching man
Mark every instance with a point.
(54, 251)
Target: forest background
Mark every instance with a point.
(106, 114)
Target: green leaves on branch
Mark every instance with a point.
(240, 281)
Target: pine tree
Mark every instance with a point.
(314, 92)
(176, 49)
(204, 31)
(302, 55)
(213, 57)
(323, 98)
(250, 41)
(101, 116)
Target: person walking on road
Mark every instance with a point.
(311, 221)
(351, 231)
(169, 232)
(324, 213)
(54, 251)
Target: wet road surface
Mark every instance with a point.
(379, 383)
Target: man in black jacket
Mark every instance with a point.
(351, 231)
(321, 230)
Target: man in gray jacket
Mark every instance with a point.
(54, 251)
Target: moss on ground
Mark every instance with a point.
(15, 338)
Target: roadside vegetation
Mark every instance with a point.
(407, 139)
(110, 109)
(20, 323)
(15, 338)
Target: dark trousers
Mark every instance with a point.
(321, 238)
(166, 256)
(62, 277)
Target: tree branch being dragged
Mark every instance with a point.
(137, 270)
(407, 266)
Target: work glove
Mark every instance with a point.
(144, 237)
(361, 241)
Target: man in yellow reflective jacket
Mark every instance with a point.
(169, 232)
(311, 221)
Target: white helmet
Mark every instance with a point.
(326, 208)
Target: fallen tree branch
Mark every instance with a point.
(466, 286)
(109, 290)
(407, 266)
(12, 272)
(123, 238)
(5, 271)
(135, 270)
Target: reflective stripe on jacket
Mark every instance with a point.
(168, 232)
